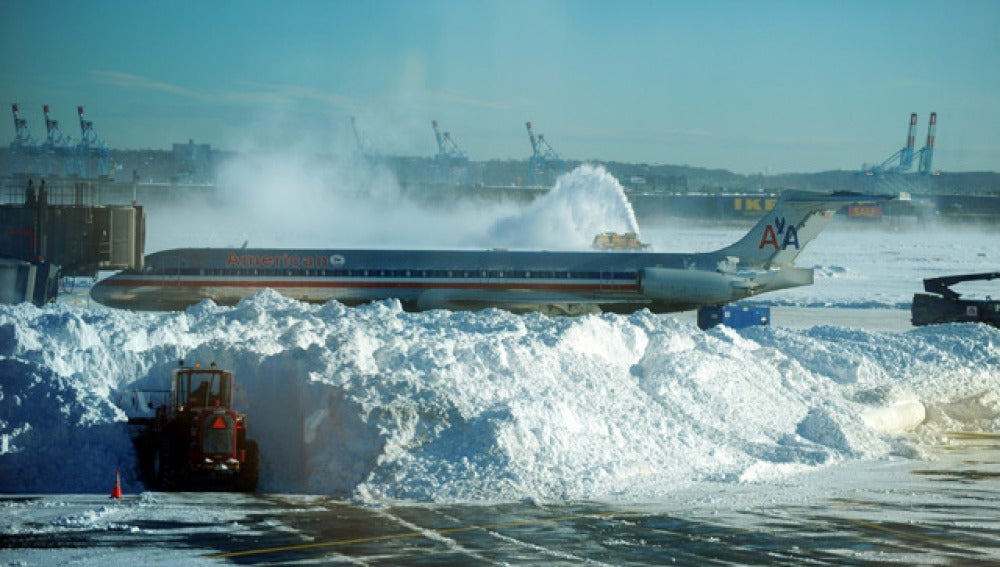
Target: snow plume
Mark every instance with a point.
(376, 404)
(584, 202)
(312, 194)
(283, 197)
(294, 197)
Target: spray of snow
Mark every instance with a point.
(584, 202)
(292, 198)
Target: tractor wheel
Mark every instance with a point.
(246, 481)
(145, 449)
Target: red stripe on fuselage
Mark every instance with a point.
(280, 284)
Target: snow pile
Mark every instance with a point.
(376, 404)
(901, 416)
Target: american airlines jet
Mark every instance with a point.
(569, 283)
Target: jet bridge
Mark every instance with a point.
(59, 225)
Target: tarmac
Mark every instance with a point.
(939, 509)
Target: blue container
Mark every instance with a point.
(734, 316)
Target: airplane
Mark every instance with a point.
(551, 282)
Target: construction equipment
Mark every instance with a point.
(941, 304)
(618, 241)
(196, 439)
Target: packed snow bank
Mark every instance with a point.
(377, 404)
(898, 417)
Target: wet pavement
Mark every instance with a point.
(939, 510)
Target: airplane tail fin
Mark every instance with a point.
(795, 220)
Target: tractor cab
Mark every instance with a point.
(199, 438)
(196, 388)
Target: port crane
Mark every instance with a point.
(365, 151)
(57, 148)
(24, 150)
(544, 165)
(892, 174)
(451, 165)
(91, 146)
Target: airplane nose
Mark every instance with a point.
(99, 292)
(103, 293)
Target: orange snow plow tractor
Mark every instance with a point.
(196, 439)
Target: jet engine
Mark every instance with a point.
(673, 285)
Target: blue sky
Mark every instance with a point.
(764, 86)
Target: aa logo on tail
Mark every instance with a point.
(772, 231)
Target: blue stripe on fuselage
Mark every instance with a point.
(396, 264)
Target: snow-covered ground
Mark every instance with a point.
(376, 405)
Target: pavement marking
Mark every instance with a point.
(973, 435)
(408, 535)
(947, 544)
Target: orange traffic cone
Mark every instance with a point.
(116, 492)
